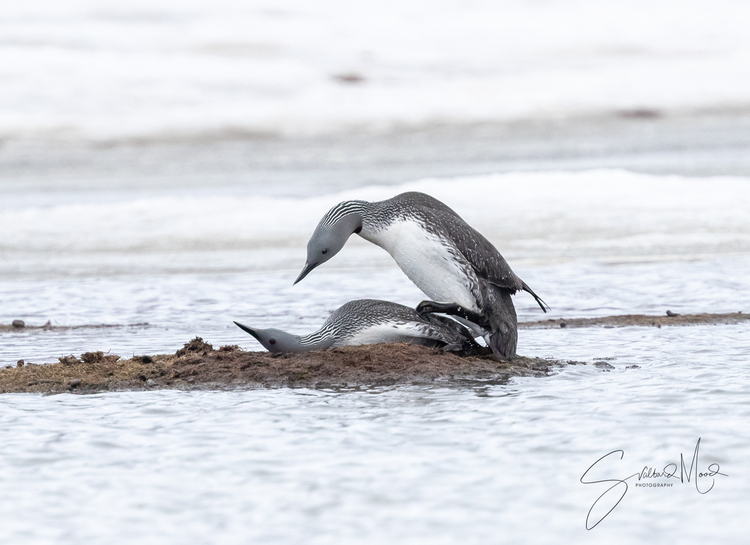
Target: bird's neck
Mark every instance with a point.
(374, 218)
(320, 340)
(352, 216)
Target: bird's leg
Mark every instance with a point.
(452, 309)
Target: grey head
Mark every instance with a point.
(341, 222)
(275, 340)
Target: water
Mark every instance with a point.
(497, 464)
(157, 314)
(166, 265)
(477, 463)
(162, 165)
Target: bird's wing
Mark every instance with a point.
(477, 250)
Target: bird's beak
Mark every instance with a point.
(305, 271)
(247, 329)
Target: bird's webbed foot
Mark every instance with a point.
(452, 309)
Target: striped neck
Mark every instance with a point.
(320, 340)
(348, 209)
(362, 217)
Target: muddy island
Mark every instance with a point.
(199, 366)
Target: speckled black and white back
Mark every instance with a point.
(474, 257)
(371, 321)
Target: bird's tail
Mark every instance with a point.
(503, 322)
(461, 339)
(544, 306)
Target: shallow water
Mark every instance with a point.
(483, 464)
(147, 183)
(479, 463)
(166, 265)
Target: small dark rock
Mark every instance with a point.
(603, 365)
(19, 324)
(20, 363)
(75, 383)
(147, 359)
(671, 314)
(563, 324)
(142, 377)
(633, 367)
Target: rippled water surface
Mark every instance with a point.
(473, 463)
(163, 163)
(157, 314)
(476, 464)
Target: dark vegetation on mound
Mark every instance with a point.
(198, 366)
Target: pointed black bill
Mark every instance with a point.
(246, 329)
(305, 271)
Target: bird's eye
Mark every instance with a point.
(271, 341)
(324, 252)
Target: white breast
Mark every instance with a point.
(386, 332)
(427, 261)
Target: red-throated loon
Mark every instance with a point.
(369, 321)
(445, 257)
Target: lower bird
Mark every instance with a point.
(444, 256)
(369, 321)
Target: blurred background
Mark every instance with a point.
(163, 163)
(150, 146)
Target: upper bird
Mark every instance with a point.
(443, 255)
(369, 321)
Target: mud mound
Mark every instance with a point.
(198, 366)
(630, 320)
(197, 346)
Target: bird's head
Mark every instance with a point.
(274, 340)
(331, 234)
